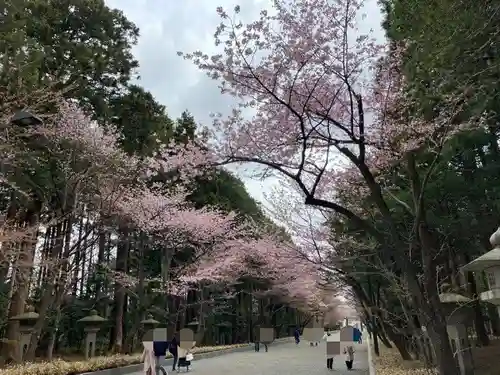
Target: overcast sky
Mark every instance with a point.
(168, 26)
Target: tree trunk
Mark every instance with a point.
(200, 335)
(48, 290)
(384, 339)
(100, 271)
(10, 222)
(445, 360)
(440, 339)
(20, 283)
(400, 343)
(436, 320)
(44, 256)
(85, 269)
(78, 259)
(51, 345)
(119, 303)
(62, 288)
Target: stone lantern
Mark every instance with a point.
(490, 263)
(458, 312)
(92, 324)
(27, 321)
(223, 329)
(149, 323)
(148, 326)
(193, 325)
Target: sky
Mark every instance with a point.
(169, 26)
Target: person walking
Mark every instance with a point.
(296, 334)
(256, 339)
(357, 335)
(172, 348)
(328, 337)
(349, 356)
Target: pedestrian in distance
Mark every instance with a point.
(349, 356)
(357, 335)
(256, 346)
(172, 348)
(328, 337)
(296, 334)
(257, 340)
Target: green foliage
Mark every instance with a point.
(185, 128)
(225, 191)
(143, 122)
(453, 49)
(84, 44)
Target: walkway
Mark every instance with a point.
(282, 359)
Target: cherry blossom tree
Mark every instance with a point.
(311, 232)
(293, 279)
(118, 185)
(307, 107)
(305, 224)
(90, 173)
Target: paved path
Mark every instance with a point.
(283, 359)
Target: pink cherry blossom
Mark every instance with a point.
(293, 278)
(317, 102)
(116, 186)
(169, 216)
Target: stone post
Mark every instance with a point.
(27, 321)
(490, 263)
(223, 330)
(148, 325)
(458, 313)
(91, 325)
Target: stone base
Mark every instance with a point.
(460, 345)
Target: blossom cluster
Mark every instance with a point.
(117, 186)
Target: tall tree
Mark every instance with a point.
(141, 120)
(84, 45)
(311, 106)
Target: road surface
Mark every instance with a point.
(282, 359)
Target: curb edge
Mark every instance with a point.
(371, 366)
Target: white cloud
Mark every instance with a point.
(187, 25)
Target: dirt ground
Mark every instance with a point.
(486, 358)
(390, 363)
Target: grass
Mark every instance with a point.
(62, 367)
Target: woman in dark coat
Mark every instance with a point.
(172, 348)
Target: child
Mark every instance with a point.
(349, 356)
